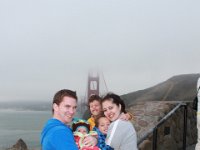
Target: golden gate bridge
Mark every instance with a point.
(96, 84)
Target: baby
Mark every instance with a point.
(81, 130)
(101, 127)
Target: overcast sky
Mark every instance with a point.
(47, 45)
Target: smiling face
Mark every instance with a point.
(111, 110)
(95, 107)
(103, 124)
(66, 110)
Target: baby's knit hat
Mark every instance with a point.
(80, 123)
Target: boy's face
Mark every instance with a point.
(82, 130)
(95, 108)
(103, 125)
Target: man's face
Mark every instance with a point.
(95, 108)
(66, 110)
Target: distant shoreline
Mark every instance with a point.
(22, 110)
(26, 106)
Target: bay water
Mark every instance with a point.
(26, 125)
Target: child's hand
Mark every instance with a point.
(126, 117)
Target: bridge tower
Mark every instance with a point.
(93, 87)
(93, 84)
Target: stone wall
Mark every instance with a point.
(170, 133)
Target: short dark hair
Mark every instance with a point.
(94, 97)
(58, 97)
(96, 120)
(116, 99)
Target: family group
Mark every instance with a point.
(108, 128)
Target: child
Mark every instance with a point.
(94, 103)
(81, 130)
(101, 127)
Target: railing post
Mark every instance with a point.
(185, 127)
(155, 138)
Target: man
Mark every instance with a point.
(56, 134)
(198, 115)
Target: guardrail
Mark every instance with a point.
(155, 129)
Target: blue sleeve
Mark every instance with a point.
(101, 141)
(64, 140)
(102, 145)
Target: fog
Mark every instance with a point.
(49, 45)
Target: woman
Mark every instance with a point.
(121, 134)
(95, 107)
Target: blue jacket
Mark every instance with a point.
(101, 140)
(57, 136)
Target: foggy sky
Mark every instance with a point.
(47, 45)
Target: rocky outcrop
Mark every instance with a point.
(20, 145)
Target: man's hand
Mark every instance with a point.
(90, 141)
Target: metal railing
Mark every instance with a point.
(155, 129)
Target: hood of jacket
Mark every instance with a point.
(50, 126)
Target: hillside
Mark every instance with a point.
(177, 88)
